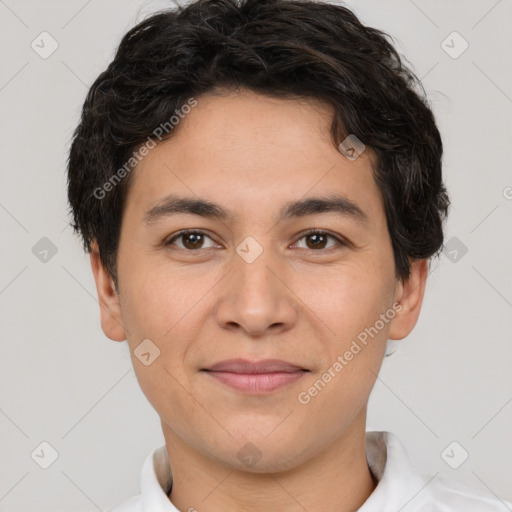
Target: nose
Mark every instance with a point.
(256, 297)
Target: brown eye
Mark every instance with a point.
(318, 240)
(191, 240)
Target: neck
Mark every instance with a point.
(336, 480)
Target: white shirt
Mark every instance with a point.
(400, 487)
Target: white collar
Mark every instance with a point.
(400, 487)
(398, 482)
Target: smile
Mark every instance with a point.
(256, 383)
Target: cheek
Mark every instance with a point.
(352, 306)
(347, 299)
(169, 308)
(160, 307)
(158, 298)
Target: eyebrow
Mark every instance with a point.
(173, 204)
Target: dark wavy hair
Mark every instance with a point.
(281, 48)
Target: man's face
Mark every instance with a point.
(253, 285)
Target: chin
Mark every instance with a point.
(264, 455)
(265, 465)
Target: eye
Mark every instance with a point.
(317, 240)
(192, 239)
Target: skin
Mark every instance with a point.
(297, 302)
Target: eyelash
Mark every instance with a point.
(341, 241)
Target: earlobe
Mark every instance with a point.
(108, 298)
(409, 295)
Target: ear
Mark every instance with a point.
(108, 298)
(409, 294)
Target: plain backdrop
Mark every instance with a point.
(62, 382)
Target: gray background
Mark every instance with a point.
(62, 381)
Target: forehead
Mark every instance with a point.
(253, 151)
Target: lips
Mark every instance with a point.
(255, 377)
(244, 366)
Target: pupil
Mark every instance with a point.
(194, 243)
(317, 237)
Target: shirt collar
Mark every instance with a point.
(398, 483)
(156, 481)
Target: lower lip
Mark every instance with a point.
(254, 383)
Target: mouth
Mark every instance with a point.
(258, 377)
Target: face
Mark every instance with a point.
(253, 284)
